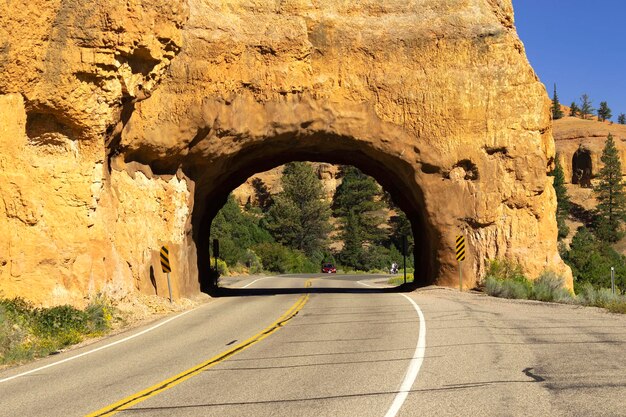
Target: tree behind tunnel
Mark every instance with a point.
(358, 203)
(610, 195)
(604, 112)
(237, 231)
(299, 217)
(562, 199)
(361, 195)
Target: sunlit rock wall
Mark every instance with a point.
(126, 122)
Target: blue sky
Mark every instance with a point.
(579, 45)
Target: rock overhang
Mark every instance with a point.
(436, 98)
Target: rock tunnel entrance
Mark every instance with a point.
(194, 105)
(394, 175)
(303, 215)
(582, 168)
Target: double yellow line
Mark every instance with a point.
(143, 395)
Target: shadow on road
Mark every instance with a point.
(243, 292)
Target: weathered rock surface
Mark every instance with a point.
(125, 124)
(572, 134)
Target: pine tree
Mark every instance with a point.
(621, 119)
(562, 199)
(299, 217)
(586, 109)
(236, 231)
(262, 194)
(590, 259)
(574, 111)
(604, 112)
(359, 193)
(557, 113)
(610, 194)
(352, 250)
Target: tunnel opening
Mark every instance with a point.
(582, 168)
(394, 175)
(307, 217)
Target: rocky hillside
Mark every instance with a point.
(327, 173)
(579, 144)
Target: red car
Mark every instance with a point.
(329, 269)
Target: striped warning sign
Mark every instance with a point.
(460, 248)
(165, 260)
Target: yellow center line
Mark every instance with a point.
(155, 389)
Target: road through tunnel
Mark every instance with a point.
(395, 176)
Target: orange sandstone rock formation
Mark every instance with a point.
(579, 144)
(125, 124)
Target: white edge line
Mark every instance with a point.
(368, 285)
(414, 365)
(259, 279)
(109, 345)
(117, 342)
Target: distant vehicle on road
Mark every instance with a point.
(329, 269)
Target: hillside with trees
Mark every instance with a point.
(592, 235)
(300, 227)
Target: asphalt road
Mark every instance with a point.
(331, 346)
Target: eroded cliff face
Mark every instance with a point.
(70, 74)
(126, 124)
(579, 144)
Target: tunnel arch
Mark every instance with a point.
(393, 173)
(396, 87)
(445, 189)
(582, 167)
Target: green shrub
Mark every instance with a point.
(297, 262)
(27, 332)
(516, 289)
(505, 270)
(550, 287)
(222, 268)
(253, 262)
(493, 286)
(587, 294)
(605, 297)
(59, 319)
(99, 314)
(399, 279)
(506, 288)
(617, 306)
(17, 311)
(598, 297)
(505, 279)
(12, 336)
(278, 258)
(274, 257)
(602, 297)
